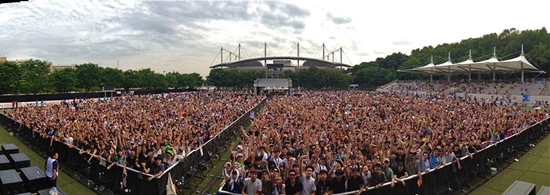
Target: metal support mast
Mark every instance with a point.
(221, 55)
(323, 51)
(298, 49)
(239, 55)
(341, 51)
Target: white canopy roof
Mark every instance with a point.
(517, 64)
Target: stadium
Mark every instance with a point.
(274, 66)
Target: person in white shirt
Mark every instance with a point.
(308, 183)
(252, 185)
(52, 168)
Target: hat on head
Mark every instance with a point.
(239, 147)
(239, 155)
(386, 159)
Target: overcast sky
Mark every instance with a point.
(186, 36)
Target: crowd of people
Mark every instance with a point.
(319, 142)
(475, 87)
(335, 142)
(147, 132)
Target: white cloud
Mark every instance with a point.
(186, 35)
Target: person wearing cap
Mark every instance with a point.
(276, 159)
(252, 185)
(259, 166)
(322, 183)
(158, 169)
(388, 172)
(338, 184)
(320, 165)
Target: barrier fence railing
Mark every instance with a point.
(94, 174)
(474, 171)
(203, 159)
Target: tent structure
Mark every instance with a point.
(427, 69)
(492, 65)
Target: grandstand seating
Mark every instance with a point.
(545, 91)
(535, 88)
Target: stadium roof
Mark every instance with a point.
(306, 59)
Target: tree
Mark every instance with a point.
(88, 75)
(218, 78)
(34, 77)
(112, 77)
(131, 80)
(63, 80)
(10, 74)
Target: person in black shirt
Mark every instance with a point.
(378, 177)
(354, 181)
(158, 169)
(132, 159)
(259, 166)
(338, 184)
(400, 174)
(293, 186)
(322, 183)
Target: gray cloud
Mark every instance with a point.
(338, 20)
(402, 42)
(283, 15)
(82, 31)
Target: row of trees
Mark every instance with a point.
(34, 76)
(312, 78)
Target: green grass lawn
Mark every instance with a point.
(65, 182)
(533, 167)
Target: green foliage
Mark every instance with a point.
(10, 75)
(63, 80)
(311, 78)
(88, 75)
(34, 77)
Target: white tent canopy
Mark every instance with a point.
(492, 65)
